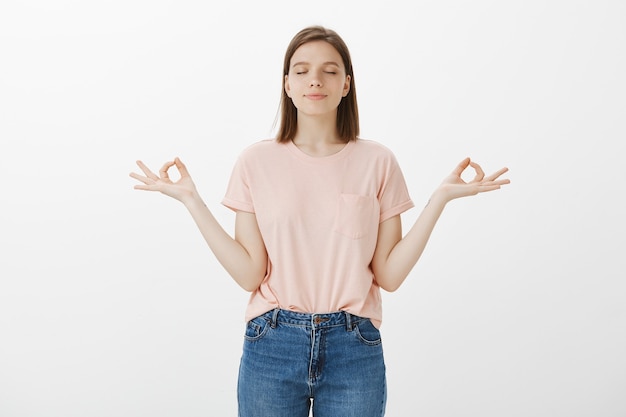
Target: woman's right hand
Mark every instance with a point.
(182, 190)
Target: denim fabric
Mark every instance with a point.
(292, 360)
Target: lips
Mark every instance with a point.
(315, 96)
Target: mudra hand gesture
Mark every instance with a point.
(453, 186)
(181, 190)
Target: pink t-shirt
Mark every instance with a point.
(319, 220)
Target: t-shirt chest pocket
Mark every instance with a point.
(357, 215)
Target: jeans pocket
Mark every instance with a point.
(256, 329)
(357, 215)
(367, 333)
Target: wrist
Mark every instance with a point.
(439, 197)
(192, 200)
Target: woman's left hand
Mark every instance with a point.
(453, 186)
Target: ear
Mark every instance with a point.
(287, 88)
(346, 86)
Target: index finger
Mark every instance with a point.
(163, 171)
(480, 174)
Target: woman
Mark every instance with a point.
(317, 234)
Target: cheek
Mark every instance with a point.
(291, 84)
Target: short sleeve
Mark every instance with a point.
(238, 196)
(393, 196)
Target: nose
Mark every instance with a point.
(315, 81)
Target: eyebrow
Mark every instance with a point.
(325, 63)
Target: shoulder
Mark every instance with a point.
(260, 146)
(261, 149)
(375, 150)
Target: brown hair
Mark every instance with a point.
(347, 112)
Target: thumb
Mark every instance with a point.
(181, 167)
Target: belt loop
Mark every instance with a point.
(274, 318)
(348, 321)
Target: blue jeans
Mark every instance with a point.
(292, 360)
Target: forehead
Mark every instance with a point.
(316, 52)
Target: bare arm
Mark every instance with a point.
(395, 256)
(244, 257)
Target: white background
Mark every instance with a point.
(112, 305)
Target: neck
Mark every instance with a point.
(317, 136)
(317, 130)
